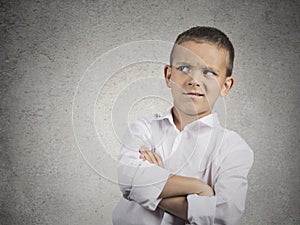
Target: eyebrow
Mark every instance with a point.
(182, 62)
(213, 69)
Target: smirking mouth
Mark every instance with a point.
(193, 94)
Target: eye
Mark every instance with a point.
(185, 69)
(208, 73)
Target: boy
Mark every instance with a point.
(183, 167)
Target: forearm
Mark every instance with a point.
(174, 194)
(180, 186)
(177, 206)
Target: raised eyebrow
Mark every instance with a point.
(183, 64)
(211, 69)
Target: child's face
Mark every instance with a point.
(197, 77)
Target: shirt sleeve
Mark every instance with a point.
(228, 204)
(139, 180)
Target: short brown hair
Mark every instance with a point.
(211, 35)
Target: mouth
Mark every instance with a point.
(193, 94)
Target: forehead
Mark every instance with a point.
(201, 54)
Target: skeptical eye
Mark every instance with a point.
(185, 69)
(208, 73)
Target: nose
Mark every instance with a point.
(192, 81)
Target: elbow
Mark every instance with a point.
(205, 210)
(125, 180)
(229, 213)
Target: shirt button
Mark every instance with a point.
(157, 115)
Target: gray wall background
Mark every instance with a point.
(46, 46)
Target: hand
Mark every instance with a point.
(151, 156)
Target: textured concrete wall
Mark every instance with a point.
(60, 137)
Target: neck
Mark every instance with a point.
(181, 119)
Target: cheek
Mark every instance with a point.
(177, 85)
(213, 89)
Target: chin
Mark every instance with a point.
(194, 111)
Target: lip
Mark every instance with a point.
(193, 94)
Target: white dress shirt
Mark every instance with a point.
(203, 150)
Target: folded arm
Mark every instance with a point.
(176, 185)
(148, 184)
(178, 206)
(230, 186)
(151, 185)
(176, 188)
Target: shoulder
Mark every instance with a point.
(234, 143)
(139, 125)
(146, 121)
(137, 133)
(142, 125)
(234, 139)
(233, 151)
(140, 121)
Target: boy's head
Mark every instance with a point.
(211, 35)
(200, 70)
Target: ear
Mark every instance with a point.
(228, 84)
(167, 73)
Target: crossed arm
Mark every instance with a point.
(176, 188)
(185, 196)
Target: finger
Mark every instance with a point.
(142, 157)
(157, 156)
(150, 157)
(158, 159)
(143, 148)
(145, 155)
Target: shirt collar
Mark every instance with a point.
(210, 120)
